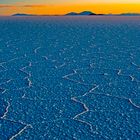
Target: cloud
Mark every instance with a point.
(32, 6)
(24, 6)
(6, 6)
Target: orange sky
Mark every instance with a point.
(59, 9)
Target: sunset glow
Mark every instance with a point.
(60, 7)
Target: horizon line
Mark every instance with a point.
(96, 14)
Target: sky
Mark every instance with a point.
(60, 7)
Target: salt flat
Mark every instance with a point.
(72, 78)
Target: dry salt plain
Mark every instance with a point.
(69, 78)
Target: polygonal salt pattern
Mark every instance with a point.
(72, 78)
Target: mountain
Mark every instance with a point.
(84, 13)
(72, 14)
(21, 14)
(87, 13)
(130, 14)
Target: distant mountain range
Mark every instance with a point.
(20, 14)
(84, 13)
(89, 13)
(130, 14)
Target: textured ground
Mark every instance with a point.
(72, 78)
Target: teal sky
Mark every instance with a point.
(66, 1)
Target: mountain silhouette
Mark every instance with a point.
(130, 14)
(21, 14)
(87, 13)
(72, 13)
(84, 13)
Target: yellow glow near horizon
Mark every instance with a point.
(66, 8)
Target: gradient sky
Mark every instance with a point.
(8, 7)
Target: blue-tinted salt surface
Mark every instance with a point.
(72, 78)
